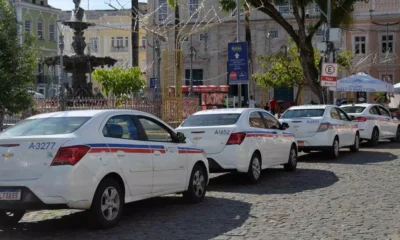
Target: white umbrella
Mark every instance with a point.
(36, 94)
(362, 82)
(397, 88)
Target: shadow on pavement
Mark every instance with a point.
(382, 145)
(347, 157)
(159, 218)
(275, 181)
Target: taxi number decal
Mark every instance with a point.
(222, 132)
(313, 121)
(171, 149)
(42, 145)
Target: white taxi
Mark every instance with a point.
(375, 122)
(96, 160)
(322, 128)
(243, 140)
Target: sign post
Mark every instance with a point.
(329, 75)
(238, 65)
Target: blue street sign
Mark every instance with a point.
(238, 63)
(153, 83)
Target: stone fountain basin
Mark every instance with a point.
(81, 63)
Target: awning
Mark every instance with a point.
(362, 82)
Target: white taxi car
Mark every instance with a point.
(322, 128)
(243, 140)
(375, 122)
(96, 160)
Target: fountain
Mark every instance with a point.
(79, 64)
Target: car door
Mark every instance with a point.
(170, 166)
(386, 123)
(338, 126)
(263, 138)
(373, 120)
(281, 143)
(348, 129)
(133, 156)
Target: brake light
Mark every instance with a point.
(323, 127)
(360, 119)
(69, 155)
(236, 138)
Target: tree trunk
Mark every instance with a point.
(177, 48)
(299, 89)
(250, 47)
(2, 114)
(135, 33)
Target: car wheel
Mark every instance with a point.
(334, 152)
(197, 185)
(107, 205)
(356, 145)
(11, 217)
(397, 138)
(254, 172)
(374, 138)
(292, 162)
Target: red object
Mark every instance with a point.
(323, 127)
(233, 76)
(272, 104)
(205, 88)
(236, 138)
(69, 155)
(360, 119)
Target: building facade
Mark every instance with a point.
(40, 19)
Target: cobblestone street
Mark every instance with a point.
(354, 197)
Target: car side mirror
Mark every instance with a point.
(180, 137)
(284, 126)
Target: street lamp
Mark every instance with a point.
(191, 66)
(61, 46)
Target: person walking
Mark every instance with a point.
(272, 106)
(252, 103)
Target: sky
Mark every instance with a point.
(93, 4)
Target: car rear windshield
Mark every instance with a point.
(46, 126)
(211, 120)
(353, 109)
(300, 113)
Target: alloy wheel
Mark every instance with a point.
(110, 203)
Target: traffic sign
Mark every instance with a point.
(387, 78)
(329, 75)
(238, 63)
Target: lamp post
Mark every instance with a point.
(191, 66)
(61, 77)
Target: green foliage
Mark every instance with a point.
(345, 61)
(228, 5)
(120, 81)
(17, 63)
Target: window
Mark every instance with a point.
(374, 110)
(360, 45)
(126, 41)
(155, 131)
(120, 42)
(162, 10)
(144, 42)
(203, 36)
(121, 127)
(255, 120)
(284, 7)
(300, 113)
(193, 6)
(270, 121)
(112, 42)
(52, 32)
(334, 114)
(211, 120)
(343, 116)
(353, 109)
(383, 111)
(28, 26)
(273, 34)
(94, 43)
(387, 44)
(40, 30)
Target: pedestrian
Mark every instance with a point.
(272, 106)
(266, 107)
(252, 103)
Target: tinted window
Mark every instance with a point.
(300, 113)
(46, 126)
(155, 131)
(270, 121)
(211, 120)
(334, 114)
(374, 110)
(383, 111)
(343, 116)
(121, 127)
(255, 120)
(353, 109)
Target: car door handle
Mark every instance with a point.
(157, 153)
(120, 153)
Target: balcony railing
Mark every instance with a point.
(119, 49)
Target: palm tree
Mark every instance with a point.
(135, 33)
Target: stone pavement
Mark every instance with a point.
(354, 197)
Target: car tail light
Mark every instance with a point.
(360, 119)
(69, 155)
(236, 138)
(323, 127)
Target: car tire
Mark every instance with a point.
(10, 218)
(334, 151)
(292, 162)
(374, 138)
(254, 172)
(356, 145)
(397, 138)
(197, 185)
(108, 205)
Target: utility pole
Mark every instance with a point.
(328, 52)
(157, 49)
(238, 40)
(191, 66)
(61, 77)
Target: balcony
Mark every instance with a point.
(119, 49)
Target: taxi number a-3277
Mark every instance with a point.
(222, 132)
(42, 145)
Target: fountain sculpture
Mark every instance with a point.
(79, 64)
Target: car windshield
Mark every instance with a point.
(46, 126)
(301, 113)
(353, 109)
(211, 120)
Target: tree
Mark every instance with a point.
(341, 15)
(17, 64)
(135, 33)
(283, 69)
(345, 61)
(119, 81)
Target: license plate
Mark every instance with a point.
(10, 195)
(300, 143)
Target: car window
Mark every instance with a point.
(343, 116)
(270, 121)
(334, 114)
(121, 127)
(155, 131)
(301, 113)
(211, 120)
(374, 110)
(353, 109)
(383, 111)
(255, 120)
